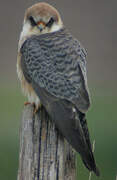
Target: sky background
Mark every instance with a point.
(94, 24)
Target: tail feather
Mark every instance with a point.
(83, 122)
(72, 125)
(72, 128)
(89, 162)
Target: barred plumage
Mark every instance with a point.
(52, 69)
(55, 62)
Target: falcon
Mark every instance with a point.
(51, 66)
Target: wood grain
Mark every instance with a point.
(44, 154)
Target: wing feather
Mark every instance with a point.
(57, 63)
(54, 64)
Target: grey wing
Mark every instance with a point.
(55, 66)
(58, 66)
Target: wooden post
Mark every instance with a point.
(44, 154)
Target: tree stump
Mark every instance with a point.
(44, 154)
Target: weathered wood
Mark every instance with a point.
(44, 155)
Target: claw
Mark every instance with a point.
(36, 108)
(26, 103)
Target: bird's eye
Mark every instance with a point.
(51, 21)
(32, 21)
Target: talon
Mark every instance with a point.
(36, 108)
(26, 103)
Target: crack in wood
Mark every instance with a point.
(43, 153)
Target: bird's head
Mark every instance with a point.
(39, 19)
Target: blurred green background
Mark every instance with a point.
(94, 24)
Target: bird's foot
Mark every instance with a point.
(36, 108)
(26, 103)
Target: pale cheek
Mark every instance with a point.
(55, 28)
(25, 30)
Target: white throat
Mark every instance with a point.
(55, 27)
(27, 32)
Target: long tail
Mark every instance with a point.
(72, 124)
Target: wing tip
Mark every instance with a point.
(97, 172)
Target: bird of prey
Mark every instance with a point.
(51, 66)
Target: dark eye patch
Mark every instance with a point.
(33, 23)
(51, 21)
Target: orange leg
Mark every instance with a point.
(36, 108)
(26, 103)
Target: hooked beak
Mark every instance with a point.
(41, 26)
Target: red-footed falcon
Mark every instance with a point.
(51, 66)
